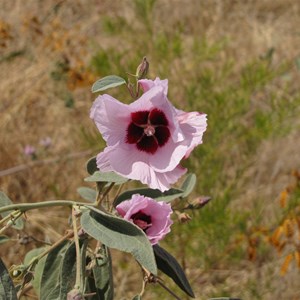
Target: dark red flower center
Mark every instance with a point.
(148, 130)
(141, 220)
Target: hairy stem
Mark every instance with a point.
(116, 196)
(100, 199)
(13, 217)
(78, 255)
(5, 219)
(63, 238)
(28, 206)
(168, 290)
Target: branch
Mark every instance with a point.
(28, 206)
(36, 163)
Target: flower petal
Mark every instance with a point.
(126, 161)
(158, 212)
(193, 125)
(147, 84)
(126, 209)
(111, 117)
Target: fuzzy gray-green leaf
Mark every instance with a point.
(91, 165)
(87, 193)
(106, 177)
(50, 280)
(107, 83)
(167, 196)
(4, 239)
(38, 269)
(169, 265)
(189, 184)
(103, 276)
(4, 201)
(7, 289)
(119, 234)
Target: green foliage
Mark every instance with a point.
(51, 280)
(112, 26)
(91, 166)
(4, 201)
(87, 193)
(4, 239)
(107, 83)
(106, 61)
(7, 289)
(102, 275)
(38, 268)
(188, 184)
(60, 70)
(169, 265)
(119, 234)
(166, 196)
(144, 11)
(12, 55)
(106, 177)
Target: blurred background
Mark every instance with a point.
(237, 61)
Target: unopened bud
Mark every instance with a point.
(200, 201)
(75, 295)
(81, 233)
(184, 218)
(142, 69)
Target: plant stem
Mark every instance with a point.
(143, 287)
(168, 290)
(28, 206)
(78, 256)
(100, 199)
(40, 256)
(3, 229)
(5, 219)
(116, 196)
(13, 217)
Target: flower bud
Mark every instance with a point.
(142, 69)
(74, 295)
(200, 201)
(184, 218)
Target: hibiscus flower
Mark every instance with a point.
(153, 217)
(147, 139)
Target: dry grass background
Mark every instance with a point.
(36, 35)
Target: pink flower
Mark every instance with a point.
(153, 217)
(29, 150)
(46, 142)
(147, 139)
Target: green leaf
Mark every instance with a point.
(119, 234)
(137, 297)
(188, 185)
(106, 177)
(38, 269)
(87, 193)
(107, 83)
(169, 265)
(67, 272)
(167, 196)
(4, 201)
(103, 276)
(7, 289)
(91, 166)
(83, 250)
(4, 239)
(51, 280)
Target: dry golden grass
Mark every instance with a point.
(35, 35)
